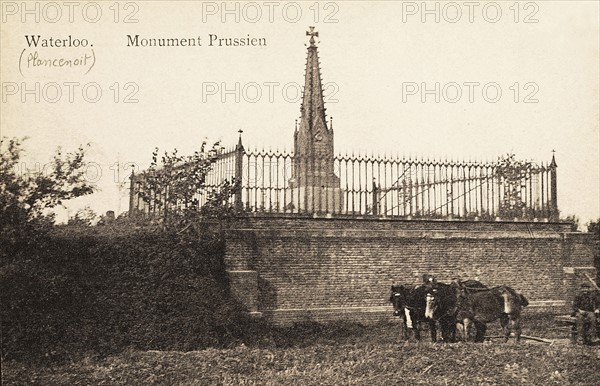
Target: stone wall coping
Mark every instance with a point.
(391, 234)
(377, 218)
(299, 222)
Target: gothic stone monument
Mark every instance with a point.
(315, 187)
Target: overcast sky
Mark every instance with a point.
(376, 60)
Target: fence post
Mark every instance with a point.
(375, 198)
(131, 193)
(239, 164)
(553, 190)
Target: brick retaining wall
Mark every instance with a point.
(320, 269)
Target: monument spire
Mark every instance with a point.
(313, 104)
(314, 183)
(313, 137)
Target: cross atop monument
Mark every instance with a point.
(312, 35)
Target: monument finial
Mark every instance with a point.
(312, 35)
(240, 137)
(553, 162)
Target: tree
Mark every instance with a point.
(171, 185)
(83, 217)
(27, 196)
(574, 220)
(514, 174)
(594, 227)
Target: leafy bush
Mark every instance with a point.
(102, 289)
(76, 289)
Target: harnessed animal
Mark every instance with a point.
(440, 306)
(482, 306)
(409, 305)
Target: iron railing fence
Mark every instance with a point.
(279, 182)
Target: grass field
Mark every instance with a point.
(337, 354)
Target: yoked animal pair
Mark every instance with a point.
(469, 304)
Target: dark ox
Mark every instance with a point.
(409, 305)
(487, 305)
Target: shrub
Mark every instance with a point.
(102, 289)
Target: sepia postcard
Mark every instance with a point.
(403, 123)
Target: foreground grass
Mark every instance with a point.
(333, 355)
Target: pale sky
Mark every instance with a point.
(372, 54)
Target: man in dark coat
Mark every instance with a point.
(586, 307)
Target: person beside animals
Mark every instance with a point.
(586, 308)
